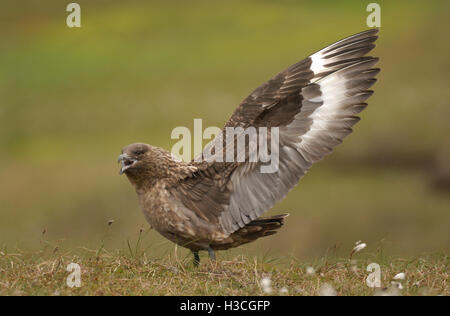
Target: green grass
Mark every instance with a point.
(136, 273)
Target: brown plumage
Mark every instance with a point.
(212, 205)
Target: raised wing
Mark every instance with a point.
(314, 104)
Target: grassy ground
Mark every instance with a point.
(133, 272)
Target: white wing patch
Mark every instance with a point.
(331, 105)
(318, 63)
(337, 55)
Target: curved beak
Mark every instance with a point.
(125, 162)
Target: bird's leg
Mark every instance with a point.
(196, 258)
(211, 254)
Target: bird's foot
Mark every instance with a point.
(196, 258)
(211, 254)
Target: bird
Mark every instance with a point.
(211, 204)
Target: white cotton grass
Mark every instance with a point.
(266, 285)
(327, 290)
(266, 282)
(310, 271)
(359, 245)
(284, 291)
(398, 278)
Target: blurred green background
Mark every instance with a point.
(70, 99)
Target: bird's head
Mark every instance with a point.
(143, 164)
(134, 158)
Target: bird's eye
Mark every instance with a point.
(139, 152)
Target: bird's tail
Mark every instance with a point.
(260, 227)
